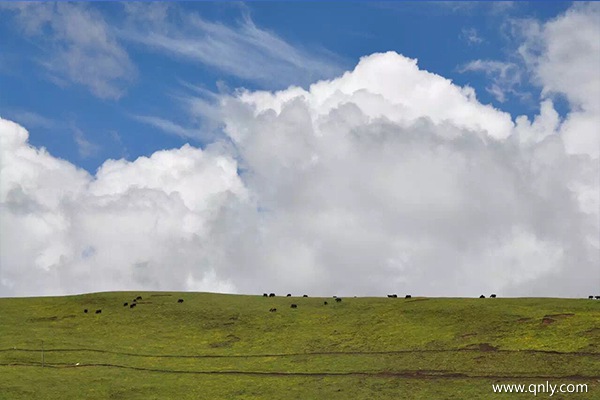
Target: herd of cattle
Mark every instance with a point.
(134, 303)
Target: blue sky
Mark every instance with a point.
(86, 127)
(432, 148)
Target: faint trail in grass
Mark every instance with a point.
(418, 374)
(321, 353)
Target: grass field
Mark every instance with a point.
(215, 346)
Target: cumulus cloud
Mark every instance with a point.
(141, 224)
(392, 178)
(388, 178)
(564, 57)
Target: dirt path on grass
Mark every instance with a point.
(419, 374)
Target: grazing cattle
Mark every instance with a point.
(133, 305)
(294, 306)
(98, 311)
(265, 295)
(180, 301)
(272, 310)
(305, 295)
(85, 311)
(482, 297)
(408, 296)
(324, 303)
(392, 296)
(493, 296)
(289, 295)
(271, 294)
(597, 297)
(134, 301)
(125, 304)
(338, 299)
(138, 298)
(590, 297)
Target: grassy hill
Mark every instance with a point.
(215, 346)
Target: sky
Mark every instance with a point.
(364, 148)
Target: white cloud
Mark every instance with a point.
(471, 36)
(505, 76)
(78, 46)
(564, 56)
(85, 148)
(386, 179)
(390, 178)
(168, 126)
(244, 50)
(141, 224)
(31, 119)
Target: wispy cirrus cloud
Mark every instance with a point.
(242, 50)
(77, 46)
(504, 76)
(85, 147)
(167, 126)
(471, 36)
(30, 119)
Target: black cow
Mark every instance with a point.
(305, 295)
(180, 301)
(408, 296)
(493, 296)
(392, 296)
(324, 303)
(482, 297)
(98, 311)
(138, 298)
(134, 301)
(294, 306)
(265, 295)
(133, 305)
(597, 297)
(590, 297)
(125, 304)
(289, 295)
(272, 310)
(271, 294)
(338, 299)
(85, 311)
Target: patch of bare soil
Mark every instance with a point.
(559, 316)
(482, 347)
(548, 321)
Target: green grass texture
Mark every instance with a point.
(218, 346)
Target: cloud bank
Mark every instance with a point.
(388, 178)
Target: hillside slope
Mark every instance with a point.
(230, 346)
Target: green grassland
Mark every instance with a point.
(216, 346)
